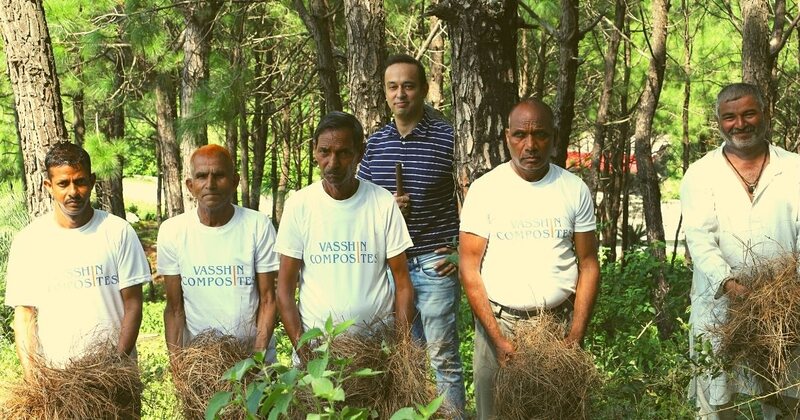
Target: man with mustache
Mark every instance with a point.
(75, 274)
(423, 144)
(338, 238)
(218, 261)
(527, 246)
(741, 204)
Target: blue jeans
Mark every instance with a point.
(436, 299)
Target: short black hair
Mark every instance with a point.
(69, 154)
(341, 120)
(407, 59)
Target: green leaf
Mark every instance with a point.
(259, 356)
(217, 402)
(317, 367)
(366, 372)
(309, 335)
(254, 393)
(405, 413)
(431, 408)
(339, 329)
(237, 372)
(329, 325)
(322, 387)
(338, 394)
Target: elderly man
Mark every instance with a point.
(527, 246)
(75, 275)
(341, 236)
(218, 261)
(741, 204)
(424, 146)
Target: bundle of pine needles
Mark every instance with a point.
(100, 383)
(546, 379)
(405, 381)
(763, 327)
(198, 367)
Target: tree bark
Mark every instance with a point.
(436, 67)
(109, 191)
(317, 21)
(564, 107)
(285, 152)
(756, 60)
(199, 18)
(609, 73)
(366, 56)
(262, 108)
(646, 173)
(37, 97)
(168, 144)
(483, 36)
(244, 152)
(541, 65)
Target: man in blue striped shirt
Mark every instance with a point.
(423, 144)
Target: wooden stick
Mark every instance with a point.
(398, 174)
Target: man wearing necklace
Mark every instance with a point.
(741, 204)
(338, 238)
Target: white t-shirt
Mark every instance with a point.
(344, 245)
(73, 277)
(529, 261)
(218, 267)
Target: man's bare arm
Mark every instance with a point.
(25, 337)
(588, 285)
(287, 305)
(267, 312)
(131, 318)
(174, 313)
(403, 292)
(470, 252)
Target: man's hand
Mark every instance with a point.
(404, 203)
(505, 351)
(445, 267)
(735, 289)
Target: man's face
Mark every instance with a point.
(71, 188)
(337, 157)
(530, 140)
(405, 92)
(741, 123)
(213, 181)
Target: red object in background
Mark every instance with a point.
(583, 160)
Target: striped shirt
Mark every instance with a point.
(427, 157)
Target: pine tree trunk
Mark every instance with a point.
(483, 36)
(244, 152)
(78, 118)
(646, 173)
(366, 55)
(262, 109)
(541, 66)
(37, 98)
(564, 106)
(168, 142)
(317, 23)
(756, 60)
(199, 18)
(285, 152)
(604, 104)
(109, 190)
(436, 67)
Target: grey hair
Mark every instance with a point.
(736, 91)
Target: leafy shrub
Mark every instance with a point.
(645, 375)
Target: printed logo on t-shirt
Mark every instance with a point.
(343, 252)
(85, 277)
(540, 228)
(217, 276)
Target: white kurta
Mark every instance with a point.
(726, 232)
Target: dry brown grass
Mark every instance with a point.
(763, 327)
(101, 384)
(546, 379)
(405, 381)
(198, 367)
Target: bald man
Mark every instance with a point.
(218, 261)
(527, 246)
